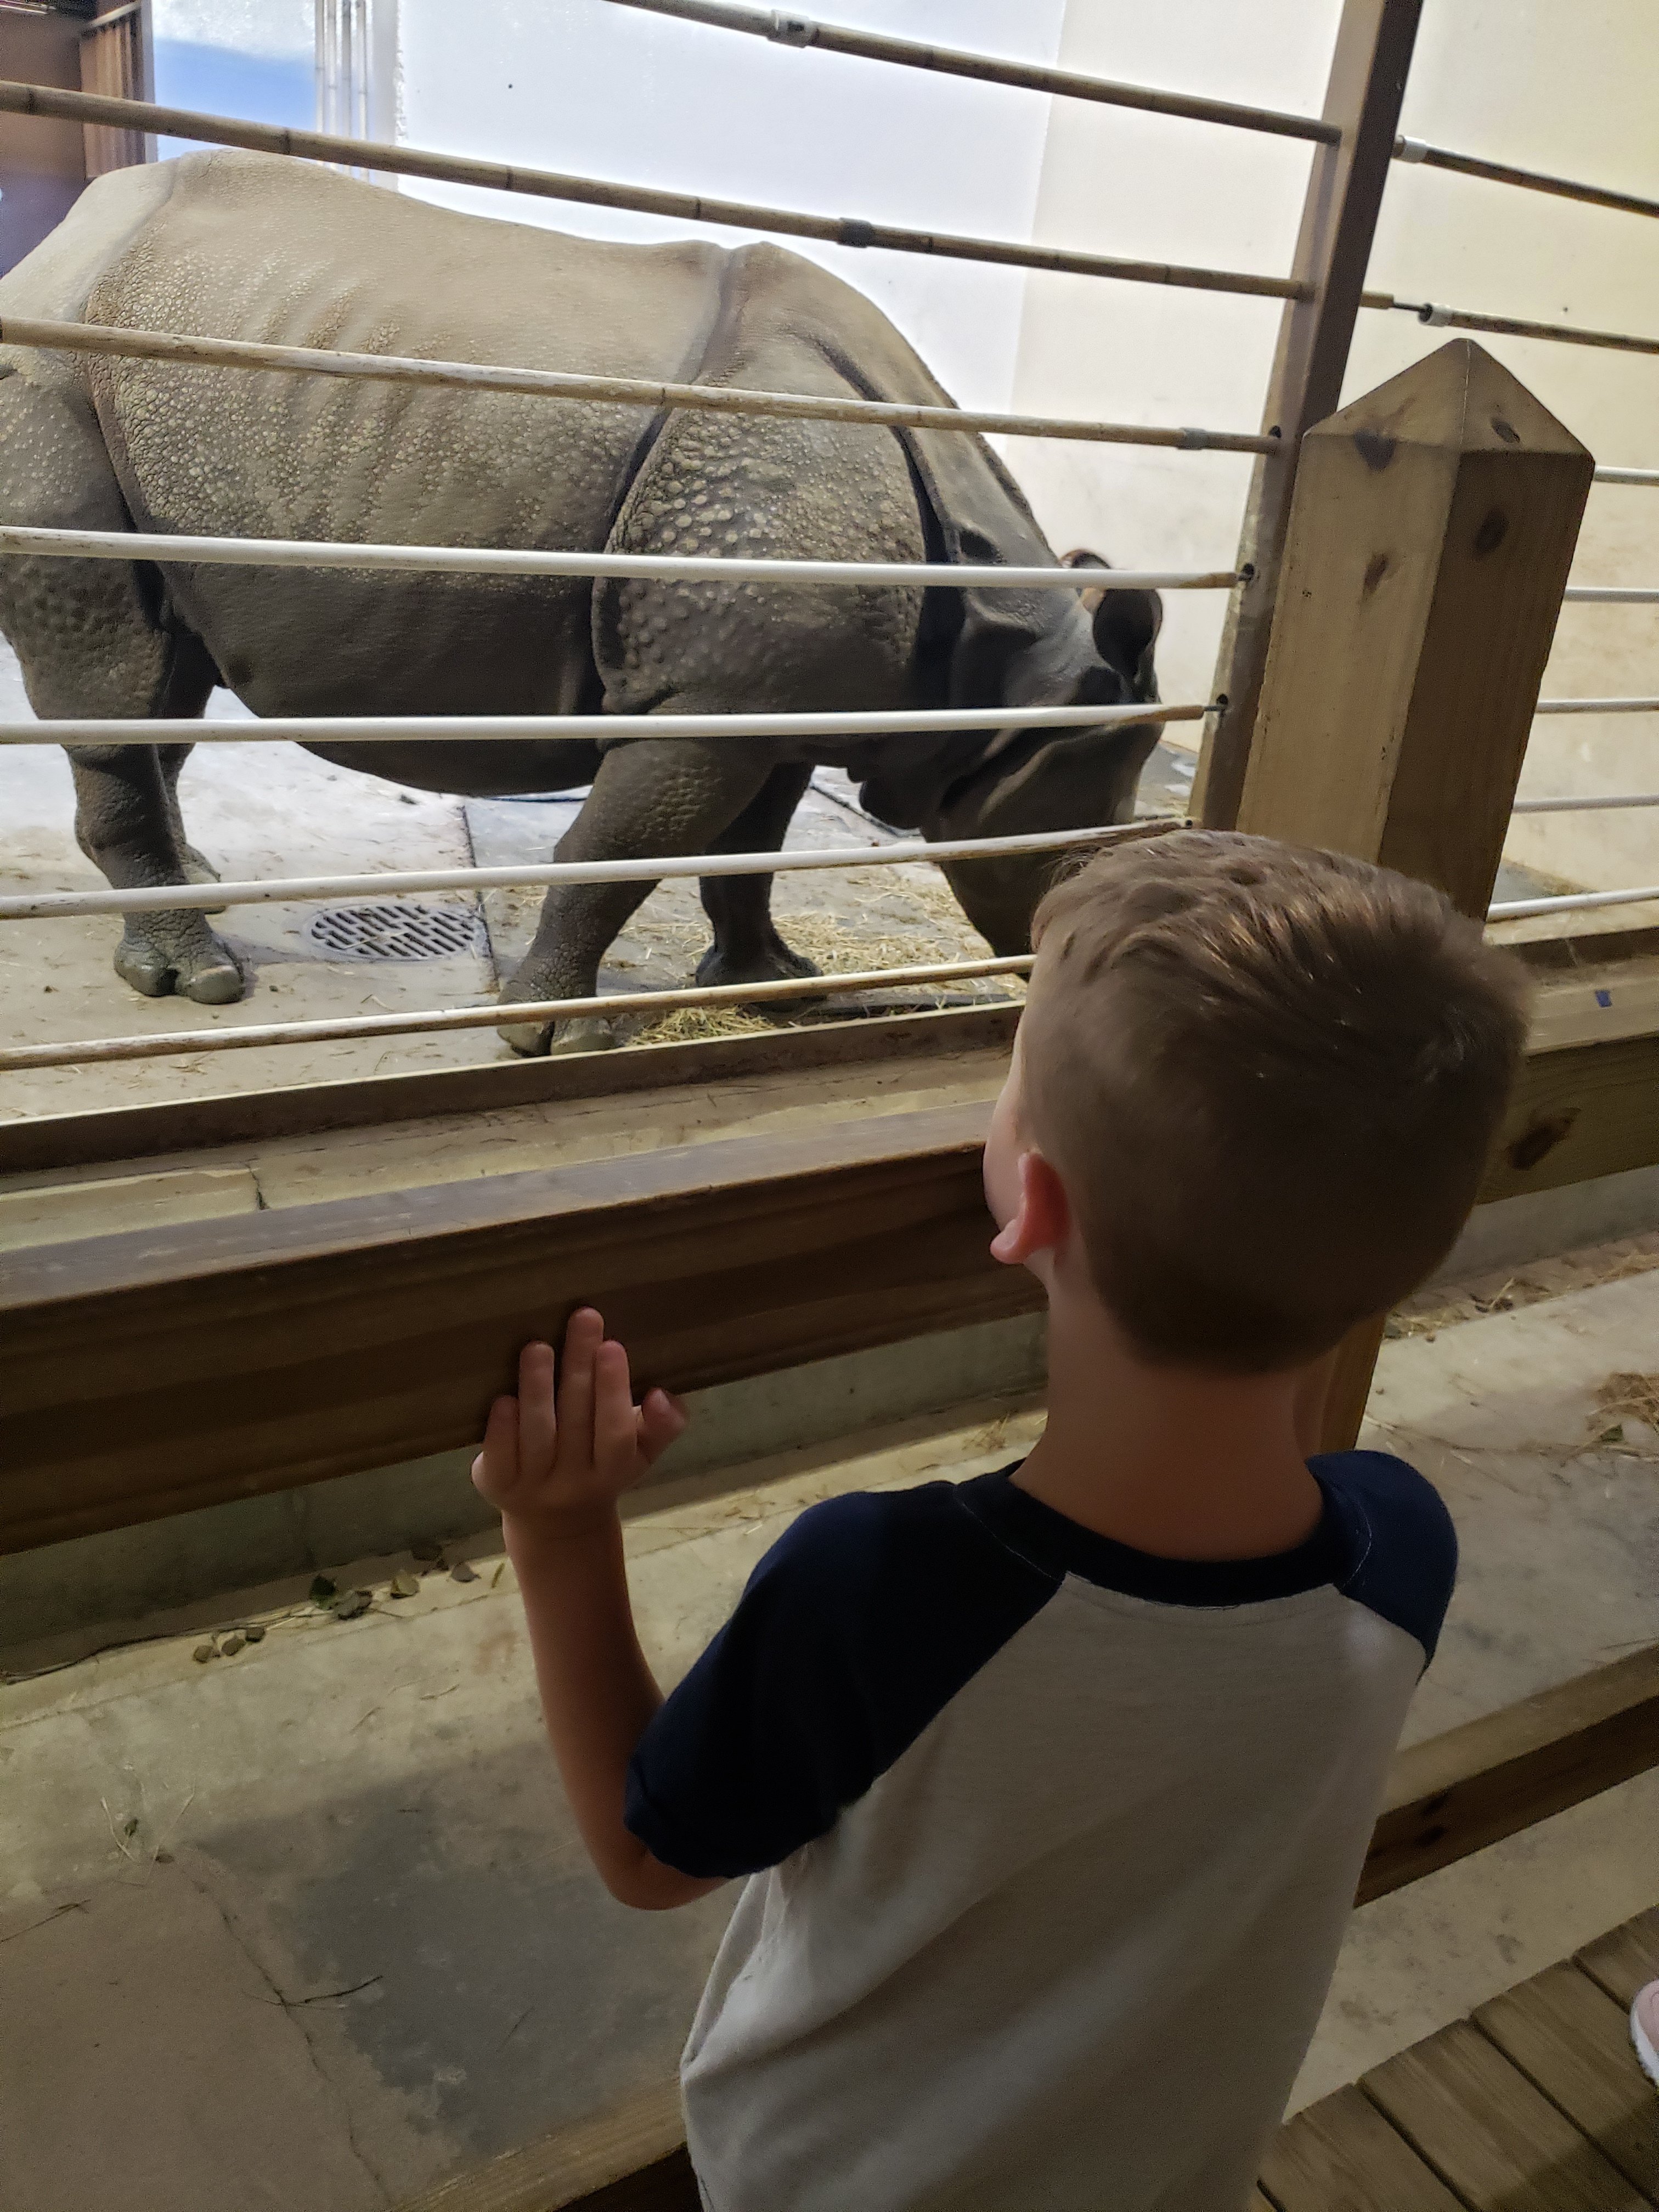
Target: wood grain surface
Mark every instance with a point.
(1473, 1785)
(1499, 2144)
(146, 1374)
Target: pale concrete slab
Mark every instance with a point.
(369, 1810)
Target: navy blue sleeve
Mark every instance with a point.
(856, 1629)
(1405, 1548)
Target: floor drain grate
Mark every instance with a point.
(406, 931)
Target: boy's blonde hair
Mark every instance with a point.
(1269, 1080)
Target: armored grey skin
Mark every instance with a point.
(247, 245)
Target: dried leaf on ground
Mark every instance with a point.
(322, 1588)
(350, 1603)
(405, 1584)
(462, 1571)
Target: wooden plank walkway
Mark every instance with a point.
(1533, 2104)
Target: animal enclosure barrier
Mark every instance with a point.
(272, 1348)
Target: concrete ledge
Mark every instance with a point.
(1513, 1230)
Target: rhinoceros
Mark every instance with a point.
(255, 246)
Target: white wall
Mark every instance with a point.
(1560, 88)
(1161, 189)
(612, 92)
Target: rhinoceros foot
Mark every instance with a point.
(776, 964)
(177, 953)
(537, 1040)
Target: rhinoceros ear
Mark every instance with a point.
(982, 521)
(1126, 625)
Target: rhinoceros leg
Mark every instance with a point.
(747, 948)
(653, 796)
(91, 642)
(127, 824)
(198, 869)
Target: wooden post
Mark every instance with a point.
(1429, 542)
(1369, 67)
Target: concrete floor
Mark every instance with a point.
(307, 1926)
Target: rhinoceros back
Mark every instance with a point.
(254, 246)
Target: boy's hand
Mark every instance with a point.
(559, 1466)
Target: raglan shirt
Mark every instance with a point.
(1052, 1843)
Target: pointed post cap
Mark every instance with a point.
(1459, 400)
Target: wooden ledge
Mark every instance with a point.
(147, 1374)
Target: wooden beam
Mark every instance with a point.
(150, 1374)
(1430, 534)
(275, 1348)
(1476, 1784)
(1577, 1113)
(1345, 181)
(48, 1142)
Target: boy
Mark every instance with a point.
(1053, 1786)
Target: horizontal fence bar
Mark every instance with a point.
(20, 99)
(1570, 902)
(110, 341)
(1584, 805)
(438, 729)
(1627, 476)
(1459, 319)
(1631, 595)
(1597, 707)
(209, 897)
(178, 550)
(180, 1043)
(1505, 173)
(787, 28)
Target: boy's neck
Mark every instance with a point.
(1183, 1464)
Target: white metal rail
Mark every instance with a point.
(21, 99)
(1597, 707)
(1649, 476)
(786, 27)
(208, 897)
(601, 729)
(178, 1043)
(179, 550)
(1585, 805)
(1570, 903)
(105, 340)
(24, 98)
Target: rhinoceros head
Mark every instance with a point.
(1091, 647)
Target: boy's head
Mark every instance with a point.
(1267, 1079)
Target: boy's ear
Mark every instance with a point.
(1042, 1219)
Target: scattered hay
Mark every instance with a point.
(691, 1024)
(1624, 1398)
